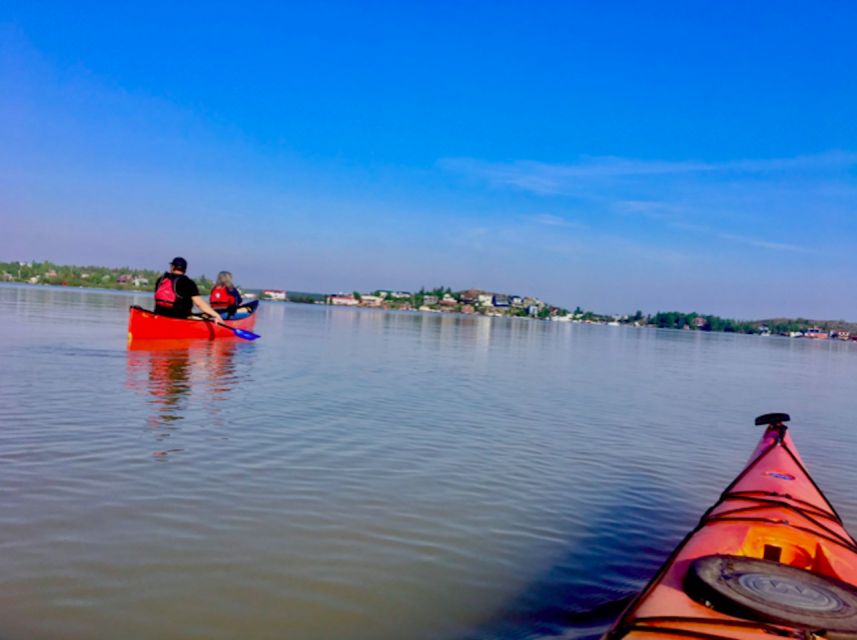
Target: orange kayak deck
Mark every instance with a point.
(145, 325)
(770, 558)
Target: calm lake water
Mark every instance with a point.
(357, 474)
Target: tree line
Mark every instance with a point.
(703, 322)
(121, 278)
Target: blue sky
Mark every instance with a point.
(687, 155)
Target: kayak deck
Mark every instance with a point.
(146, 325)
(771, 557)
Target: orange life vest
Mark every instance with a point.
(165, 294)
(221, 298)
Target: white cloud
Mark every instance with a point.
(761, 203)
(763, 244)
(551, 220)
(760, 243)
(565, 179)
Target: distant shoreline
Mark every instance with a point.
(128, 281)
(127, 293)
(123, 292)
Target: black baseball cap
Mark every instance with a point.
(179, 263)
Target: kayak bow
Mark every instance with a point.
(770, 558)
(145, 325)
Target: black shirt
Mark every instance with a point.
(185, 289)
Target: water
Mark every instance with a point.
(358, 474)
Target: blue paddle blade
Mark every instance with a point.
(247, 335)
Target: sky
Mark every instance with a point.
(695, 156)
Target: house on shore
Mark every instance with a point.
(394, 295)
(343, 300)
(470, 296)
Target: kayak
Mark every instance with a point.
(770, 559)
(145, 325)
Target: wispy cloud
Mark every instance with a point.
(750, 241)
(757, 203)
(551, 220)
(564, 179)
(657, 209)
(764, 244)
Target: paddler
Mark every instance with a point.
(175, 294)
(225, 297)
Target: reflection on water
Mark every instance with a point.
(170, 371)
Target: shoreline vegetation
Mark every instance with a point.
(118, 278)
(439, 300)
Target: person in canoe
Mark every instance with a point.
(176, 294)
(225, 297)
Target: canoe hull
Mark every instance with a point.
(774, 519)
(145, 325)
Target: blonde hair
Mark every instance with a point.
(225, 278)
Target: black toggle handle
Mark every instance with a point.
(773, 419)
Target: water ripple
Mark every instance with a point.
(359, 474)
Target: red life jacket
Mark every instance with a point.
(165, 294)
(221, 298)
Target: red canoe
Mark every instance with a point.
(145, 325)
(771, 559)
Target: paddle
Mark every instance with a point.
(241, 333)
